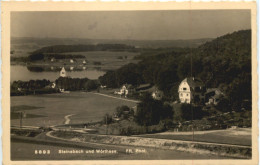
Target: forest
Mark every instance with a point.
(223, 63)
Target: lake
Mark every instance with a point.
(20, 72)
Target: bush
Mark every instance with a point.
(91, 85)
(123, 111)
(223, 105)
(186, 111)
(150, 111)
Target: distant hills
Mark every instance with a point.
(42, 42)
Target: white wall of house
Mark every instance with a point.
(185, 93)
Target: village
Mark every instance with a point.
(191, 91)
(159, 96)
(123, 120)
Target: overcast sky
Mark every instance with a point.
(140, 25)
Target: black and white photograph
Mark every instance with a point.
(131, 85)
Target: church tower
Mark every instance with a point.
(63, 72)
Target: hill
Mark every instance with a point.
(40, 54)
(37, 43)
(224, 63)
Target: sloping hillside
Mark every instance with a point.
(235, 46)
(224, 63)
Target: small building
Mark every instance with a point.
(63, 72)
(71, 61)
(52, 59)
(214, 100)
(191, 89)
(84, 62)
(125, 90)
(157, 94)
(103, 86)
(213, 96)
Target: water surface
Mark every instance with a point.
(19, 72)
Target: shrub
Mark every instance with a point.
(150, 111)
(123, 111)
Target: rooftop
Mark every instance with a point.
(193, 82)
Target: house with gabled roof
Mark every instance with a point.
(191, 90)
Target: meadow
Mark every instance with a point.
(81, 106)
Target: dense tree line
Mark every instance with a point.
(32, 84)
(64, 56)
(40, 54)
(82, 48)
(31, 87)
(130, 73)
(223, 63)
(73, 84)
(44, 86)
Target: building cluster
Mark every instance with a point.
(192, 90)
(125, 90)
(72, 61)
(63, 73)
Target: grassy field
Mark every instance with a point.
(240, 136)
(84, 107)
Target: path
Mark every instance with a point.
(67, 118)
(243, 131)
(134, 101)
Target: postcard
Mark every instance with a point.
(129, 83)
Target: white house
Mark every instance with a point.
(84, 62)
(125, 90)
(71, 61)
(190, 89)
(63, 72)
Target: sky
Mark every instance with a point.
(132, 25)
